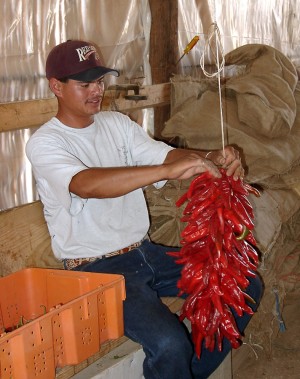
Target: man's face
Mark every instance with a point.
(81, 98)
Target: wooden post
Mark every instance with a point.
(163, 51)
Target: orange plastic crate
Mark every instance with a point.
(67, 315)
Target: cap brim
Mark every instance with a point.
(93, 74)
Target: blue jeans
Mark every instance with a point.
(150, 274)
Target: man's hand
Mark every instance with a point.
(185, 163)
(229, 159)
(190, 165)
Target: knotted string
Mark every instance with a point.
(214, 45)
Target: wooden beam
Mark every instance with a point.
(163, 39)
(33, 113)
(24, 114)
(163, 51)
(157, 95)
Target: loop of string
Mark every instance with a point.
(213, 44)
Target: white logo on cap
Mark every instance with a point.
(85, 52)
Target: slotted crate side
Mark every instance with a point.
(76, 330)
(68, 332)
(27, 352)
(110, 310)
(22, 295)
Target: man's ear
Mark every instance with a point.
(55, 86)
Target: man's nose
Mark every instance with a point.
(97, 87)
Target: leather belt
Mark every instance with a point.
(70, 263)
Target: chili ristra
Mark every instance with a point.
(218, 255)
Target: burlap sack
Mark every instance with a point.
(259, 102)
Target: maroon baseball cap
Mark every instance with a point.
(78, 60)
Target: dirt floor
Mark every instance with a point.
(283, 359)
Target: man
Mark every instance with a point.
(90, 168)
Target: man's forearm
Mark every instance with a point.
(118, 181)
(175, 154)
(114, 181)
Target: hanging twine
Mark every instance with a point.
(213, 44)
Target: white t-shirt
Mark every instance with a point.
(91, 227)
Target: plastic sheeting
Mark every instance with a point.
(121, 28)
(16, 179)
(31, 28)
(269, 22)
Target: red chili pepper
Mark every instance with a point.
(248, 310)
(228, 239)
(175, 254)
(225, 191)
(205, 215)
(229, 300)
(219, 337)
(246, 203)
(238, 186)
(197, 284)
(198, 180)
(190, 228)
(230, 288)
(233, 218)
(246, 267)
(221, 219)
(196, 235)
(197, 339)
(217, 255)
(243, 249)
(189, 249)
(220, 257)
(217, 302)
(214, 283)
(181, 200)
(203, 314)
(210, 342)
(198, 198)
(242, 213)
(202, 207)
(228, 326)
(251, 189)
(249, 298)
(238, 276)
(252, 253)
(250, 238)
(214, 322)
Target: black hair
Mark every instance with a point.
(64, 80)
